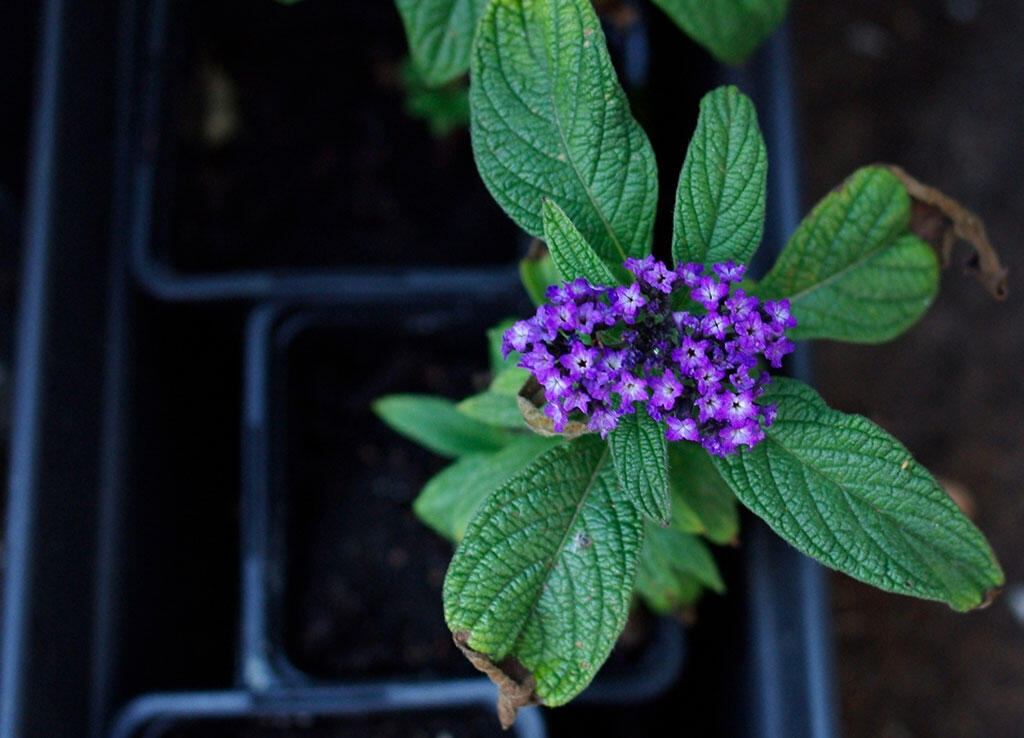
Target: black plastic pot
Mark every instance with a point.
(123, 531)
(334, 231)
(387, 711)
(327, 495)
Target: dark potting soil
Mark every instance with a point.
(289, 147)
(461, 723)
(364, 575)
(936, 88)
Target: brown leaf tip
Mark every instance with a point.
(516, 685)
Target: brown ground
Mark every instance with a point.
(936, 87)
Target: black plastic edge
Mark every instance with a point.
(788, 670)
(306, 703)
(347, 285)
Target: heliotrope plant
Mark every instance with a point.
(441, 32)
(643, 399)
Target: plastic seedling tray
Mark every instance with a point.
(273, 158)
(333, 553)
(369, 711)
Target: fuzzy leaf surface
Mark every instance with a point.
(846, 493)
(853, 271)
(435, 423)
(674, 567)
(549, 120)
(570, 251)
(440, 35)
(450, 499)
(729, 29)
(497, 405)
(639, 455)
(546, 570)
(720, 200)
(702, 502)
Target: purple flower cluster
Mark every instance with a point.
(600, 350)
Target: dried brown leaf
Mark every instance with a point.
(516, 685)
(531, 400)
(942, 221)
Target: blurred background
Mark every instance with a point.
(936, 86)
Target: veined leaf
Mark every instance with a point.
(699, 493)
(638, 449)
(549, 119)
(845, 492)
(852, 271)
(545, 572)
(440, 34)
(674, 566)
(719, 213)
(435, 423)
(450, 499)
(498, 405)
(494, 408)
(729, 29)
(537, 272)
(570, 251)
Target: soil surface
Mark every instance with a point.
(364, 575)
(290, 146)
(936, 88)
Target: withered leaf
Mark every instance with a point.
(942, 221)
(515, 683)
(531, 400)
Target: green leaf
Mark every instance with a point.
(570, 251)
(698, 490)
(495, 408)
(451, 498)
(537, 272)
(845, 492)
(545, 572)
(729, 29)
(435, 423)
(549, 119)
(719, 213)
(852, 271)
(638, 449)
(440, 34)
(671, 563)
(494, 336)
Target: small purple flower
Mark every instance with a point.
(689, 274)
(738, 408)
(579, 361)
(691, 355)
(739, 305)
(664, 390)
(631, 389)
(779, 314)
(603, 421)
(519, 337)
(708, 292)
(660, 277)
(628, 301)
(775, 350)
(580, 288)
(730, 271)
(556, 386)
(681, 429)
(709, 378)
(715, 325)
(558, 416)
(638, 267)
(708, 407)
(566, 316)
(576, 400)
